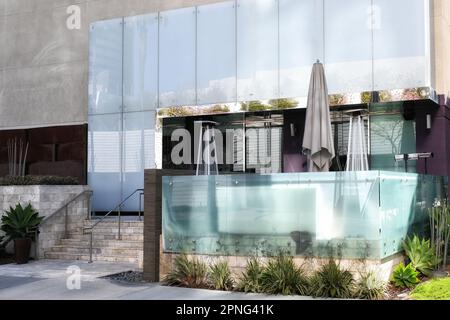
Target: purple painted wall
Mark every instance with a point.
(436, 139)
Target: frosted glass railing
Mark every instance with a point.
(348, 215)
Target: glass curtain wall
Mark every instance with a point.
(123, 97)
(257, 53)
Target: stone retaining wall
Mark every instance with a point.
(46, 200)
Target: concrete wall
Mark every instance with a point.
(441, 54)
(44, 65)
(46, 200)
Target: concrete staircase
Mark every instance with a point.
(105, 245)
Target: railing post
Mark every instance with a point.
(90, 245)
(140, 204)
(65, 221)
(89, 210)
(120, 237)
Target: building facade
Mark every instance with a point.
(101, 102)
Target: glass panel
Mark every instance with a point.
(177, 57)
(105, 67)
(216, 53)
(391, 134)
(401, 44)
(140, 78)
(104, 163)
(138, 153)
(348, 46)
(405, 198)
(301, 44)
(257, 42)
(303, 214)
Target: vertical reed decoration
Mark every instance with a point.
(440, 230)
(17, 157)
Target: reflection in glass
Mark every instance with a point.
(391, 134)
(140, 69)
(301, 44)
(177, 57)
(348, 45)
(104, 162)
(401, 44)
(138, 153)
(257, 54)
(216, 53)
(105, 67)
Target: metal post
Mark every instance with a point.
(65, 222)
(89, 206)
(90, 245)
(140, 204)
(119, 236)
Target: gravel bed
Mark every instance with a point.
(127, 276)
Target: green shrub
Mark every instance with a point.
(20, 223)
(282, 276)
(220, 276)
(37, 180)
(370, 287)
(332, 282)
(436, 289)
(190, 273)
(250, 280)
(421, 254)
(405, 277)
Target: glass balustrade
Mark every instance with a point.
(340, 214)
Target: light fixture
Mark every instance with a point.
(428, 121)
(292, 130)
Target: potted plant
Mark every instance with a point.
(20, 225)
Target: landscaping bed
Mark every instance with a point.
(135, 277)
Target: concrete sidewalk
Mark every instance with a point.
(47, 280)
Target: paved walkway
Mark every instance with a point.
(50, 280)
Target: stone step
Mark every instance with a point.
(95, 257)
(107, 251)
(102, 243)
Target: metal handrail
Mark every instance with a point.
(91, 228)
(66, 213)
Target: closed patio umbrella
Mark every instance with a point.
(318, 139)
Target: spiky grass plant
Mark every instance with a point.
(370, 287)
(250, 279)
(190, 273)
(282, 276)
(330, 281)
(220, 277)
